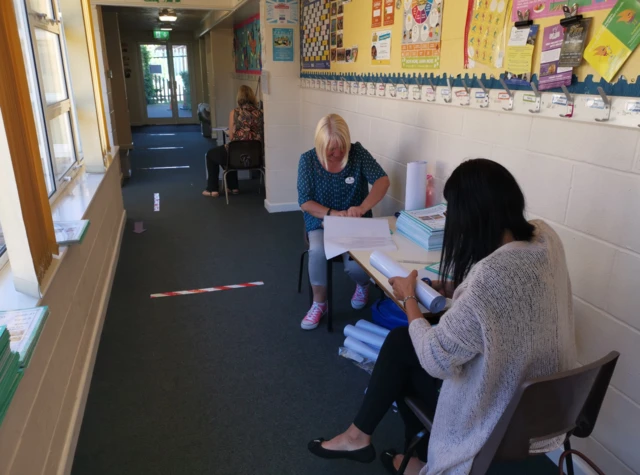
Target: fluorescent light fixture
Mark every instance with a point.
(166, 29)
(167, 15)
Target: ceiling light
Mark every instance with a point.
(166, 29)
(167, 15)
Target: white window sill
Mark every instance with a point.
(71, 205)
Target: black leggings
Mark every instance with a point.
(217, 157)
(398, 374)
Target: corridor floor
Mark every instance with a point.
(221, 383)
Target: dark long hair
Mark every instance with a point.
(483, 201)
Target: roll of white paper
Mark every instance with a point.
(432, 300)
(415, 196)
(371, 339)
(372, 327)
(361, 348)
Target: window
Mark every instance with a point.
(42, 37)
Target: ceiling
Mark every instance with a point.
(146, 19)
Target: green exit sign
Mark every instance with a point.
(160, 35)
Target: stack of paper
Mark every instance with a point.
(70, 232)
(425, 227)
(356, 234)
(24, 328)
(10, 373)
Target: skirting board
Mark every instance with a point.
(280, 207)
(66, 460)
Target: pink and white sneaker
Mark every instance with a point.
(360, 297)
(314, 315)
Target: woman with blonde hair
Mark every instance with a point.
(245, 123)
(333, 180)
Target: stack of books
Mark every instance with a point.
(425, 227)
(10, 372)
(24, 327)
(70, 232)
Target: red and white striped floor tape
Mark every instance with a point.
(210, 289)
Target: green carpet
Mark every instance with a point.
(220, 383)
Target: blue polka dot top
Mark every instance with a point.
(338, 191)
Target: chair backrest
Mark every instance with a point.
(245, 154)
(548, 407)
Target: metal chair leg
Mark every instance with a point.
(301, 269)
(410, 450)
(262, 179)
(329, 296)
(569, 460)
(226, 188)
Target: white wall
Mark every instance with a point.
(583, 179)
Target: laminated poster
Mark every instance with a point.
(547, 8)
(551, 73)
(382, 13)
(575, 36)
(421, 34)
(520, 54)
(615, 40)
(485, 32)
(389, 12)
(282, 12)
(283, 44)
(380, 48)
(376, 14)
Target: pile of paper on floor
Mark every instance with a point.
(10, 372)
(425, 227)
(24, 327)
(364, 340)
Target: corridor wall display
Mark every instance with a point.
(486, 32)
(283, 44)
(422, 27)
(315, 34)
(282, 12)
(547, 8)
(247, 49)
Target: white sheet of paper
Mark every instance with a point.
(356, 234)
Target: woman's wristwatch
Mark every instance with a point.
(329, 212)
(410, 297)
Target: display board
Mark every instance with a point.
(358, 33)
(247, 49)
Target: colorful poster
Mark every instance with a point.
(246, 46)
(389, 12)
(616, 39)
(282, 12)
(575, 37)
(314, 33)
(421, 34)
(519, 54)
(547, 8)
(551, 73)
(376, 14)
(283, 44)
(380, 48)
(485, 33)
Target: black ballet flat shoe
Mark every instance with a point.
(364, 455)
(386, 458)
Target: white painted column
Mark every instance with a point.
(15, 232)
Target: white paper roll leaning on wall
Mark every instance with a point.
(371, 339)
(415, 196)
(361, 348)
(431, 299)
(372, 327)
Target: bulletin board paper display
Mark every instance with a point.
(247, 47)
(315, 34)
(422, 27)
(282, 12)
(547, 8)
(616, 39)
(381, 47)
(486, 31)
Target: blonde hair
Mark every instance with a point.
(246, 96)
(332, 129)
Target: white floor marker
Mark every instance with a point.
(164, 148)
(156, 202)
(209, 289)
(163, 168)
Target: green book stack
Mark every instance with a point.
(10, 372)
(24, 328)
(70, 232)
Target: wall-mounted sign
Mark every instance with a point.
(160, 35)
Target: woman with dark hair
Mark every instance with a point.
(511, 320)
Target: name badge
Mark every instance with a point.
(350, 180)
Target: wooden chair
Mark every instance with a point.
(542, 408)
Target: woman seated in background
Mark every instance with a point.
(245, 123)
(333, 180)
(510, 321)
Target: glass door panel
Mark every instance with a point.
(182, 81)
(157, 81)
